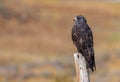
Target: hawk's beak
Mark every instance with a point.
(75, 19)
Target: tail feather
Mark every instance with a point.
(89, 59)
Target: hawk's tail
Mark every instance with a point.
(90, 63)
(89, 59)
(93, 63)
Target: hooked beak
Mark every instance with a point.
(75, 19)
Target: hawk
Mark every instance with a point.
(83, 39)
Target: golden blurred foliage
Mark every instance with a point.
(36, 45)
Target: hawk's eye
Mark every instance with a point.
(78, 18)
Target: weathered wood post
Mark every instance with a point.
(82, 73)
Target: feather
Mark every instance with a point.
(83, 39)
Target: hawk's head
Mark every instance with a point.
(80, 19)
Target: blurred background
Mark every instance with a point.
(36, 45)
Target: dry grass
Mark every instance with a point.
(35, 39)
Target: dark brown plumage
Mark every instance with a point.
(83, 39)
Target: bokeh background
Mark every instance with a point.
(36, 45)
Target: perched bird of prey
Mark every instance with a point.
(83, 39)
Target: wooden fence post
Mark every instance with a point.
(82, 73)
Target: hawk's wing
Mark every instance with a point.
(90, 49)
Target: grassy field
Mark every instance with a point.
(36, 45)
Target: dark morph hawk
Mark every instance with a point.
(83, 39)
